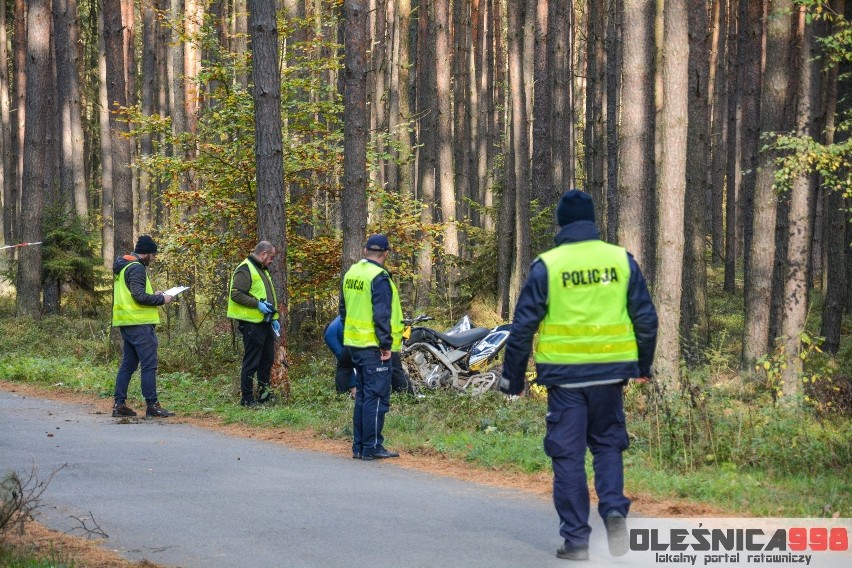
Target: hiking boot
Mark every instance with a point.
(157, 411)
(122, 410)
(616, 533)
(249, 403)
(568, 552)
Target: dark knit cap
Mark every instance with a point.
(145, 245)
(575, 205)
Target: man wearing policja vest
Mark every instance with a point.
(372, 329)
(135, 314)
(597, 329)
(252, 302)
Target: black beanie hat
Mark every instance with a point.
(575, 205)
(145, 245)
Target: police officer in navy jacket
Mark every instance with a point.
(597, 328)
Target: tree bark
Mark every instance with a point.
(446, 162)
(750, 81)
(719, 135)
(7, 176)
(40, 115)
(733, 177)
(594, 140)
(834, 229)
(149, 90)
(107, 197)
(72, 168)
(671, 190)
(800, 226)
(355, 122)
(561, 66)
(542, 139)
(520, 147)
(761, 258)
(634, 135)
(427, 146)
(117, 74)
(19, 46)
(694, 317)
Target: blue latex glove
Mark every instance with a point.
(265, 307)
(276, 327)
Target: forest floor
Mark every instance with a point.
(92, 554)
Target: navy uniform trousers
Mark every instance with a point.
(372, 399)
(578, 418)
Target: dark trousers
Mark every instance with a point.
(140, 348)
(258, 357)
(578, 418)
(372, 400)
(344, 375)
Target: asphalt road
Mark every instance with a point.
(179, 495)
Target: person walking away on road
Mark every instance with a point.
(597, 328)
(252, 302)
(135, 313)
(372, 329)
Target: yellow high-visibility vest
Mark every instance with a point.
(587, 319)
(257, 290)
(358, 329)
(126, 310)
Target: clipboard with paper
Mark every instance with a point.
(175, 290)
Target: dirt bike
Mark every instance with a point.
(460, 359)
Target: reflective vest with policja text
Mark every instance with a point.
(587, 319)
(358, 329)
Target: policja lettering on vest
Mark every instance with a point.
(590, 276)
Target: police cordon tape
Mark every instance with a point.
(19, 245)
(729, 542)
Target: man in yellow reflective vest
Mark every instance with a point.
(252, 302)
(597, 328)
(135, 313)
(372, 329)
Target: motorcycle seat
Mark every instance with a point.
(464, 338)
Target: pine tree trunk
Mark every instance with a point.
(107, 194)
(671, 188)
(149, 90)
(719, 134)
(461, 111)
(749, 54)
(117, 75)
(634, 136)
(19, 46)
(445, 164)
(613, 111)
(834, 230)
(71, 168)
(7, 176)
(427, 146)
(594, 140)
(733, 179)
(761, 257)
(542, 139)
(694, 317)
(269, 154)
(800, 226)
(40, 116)
(520, 147)
(559, 59)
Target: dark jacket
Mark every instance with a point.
(532, 307)
(242, 284)
(333, 336)
(382, 298)
(135, 278)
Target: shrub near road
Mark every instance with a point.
(719, 440)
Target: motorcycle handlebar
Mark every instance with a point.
(417, 319)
